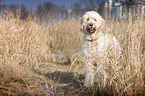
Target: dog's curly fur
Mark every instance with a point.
(97, 47)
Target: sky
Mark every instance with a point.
(33, 3)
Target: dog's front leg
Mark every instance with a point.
(89, 75)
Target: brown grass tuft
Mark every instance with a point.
(29, 63)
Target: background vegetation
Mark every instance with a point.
(45, 58)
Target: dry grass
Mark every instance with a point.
(28, 62)
(127, 74)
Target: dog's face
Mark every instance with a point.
(91, 25)
(91, 22)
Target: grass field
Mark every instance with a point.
(45, 58)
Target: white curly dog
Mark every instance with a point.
(97, 48)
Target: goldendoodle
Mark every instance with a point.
(98, 47)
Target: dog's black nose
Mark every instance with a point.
(91, 24)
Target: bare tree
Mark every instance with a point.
(76, 9)
(76, 6)
(132, 2)
(40, 11)
(23, 11)
(48, 6)
(13, 8)
(47, 10)
(91, 3)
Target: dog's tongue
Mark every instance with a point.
(91, 30)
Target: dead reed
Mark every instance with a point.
(27, 61)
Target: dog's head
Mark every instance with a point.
(91, 22)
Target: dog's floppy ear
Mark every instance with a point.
(102, 25)
(81, 22)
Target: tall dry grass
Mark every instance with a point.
(126, 75)
(27, 59)
(26, 48)
(23, 48)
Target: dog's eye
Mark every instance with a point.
(88, 19)
(95, 20)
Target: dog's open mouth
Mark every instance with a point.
(91, 29)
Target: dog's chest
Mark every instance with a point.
(90, 48)
(93, 47)
(96, 48)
